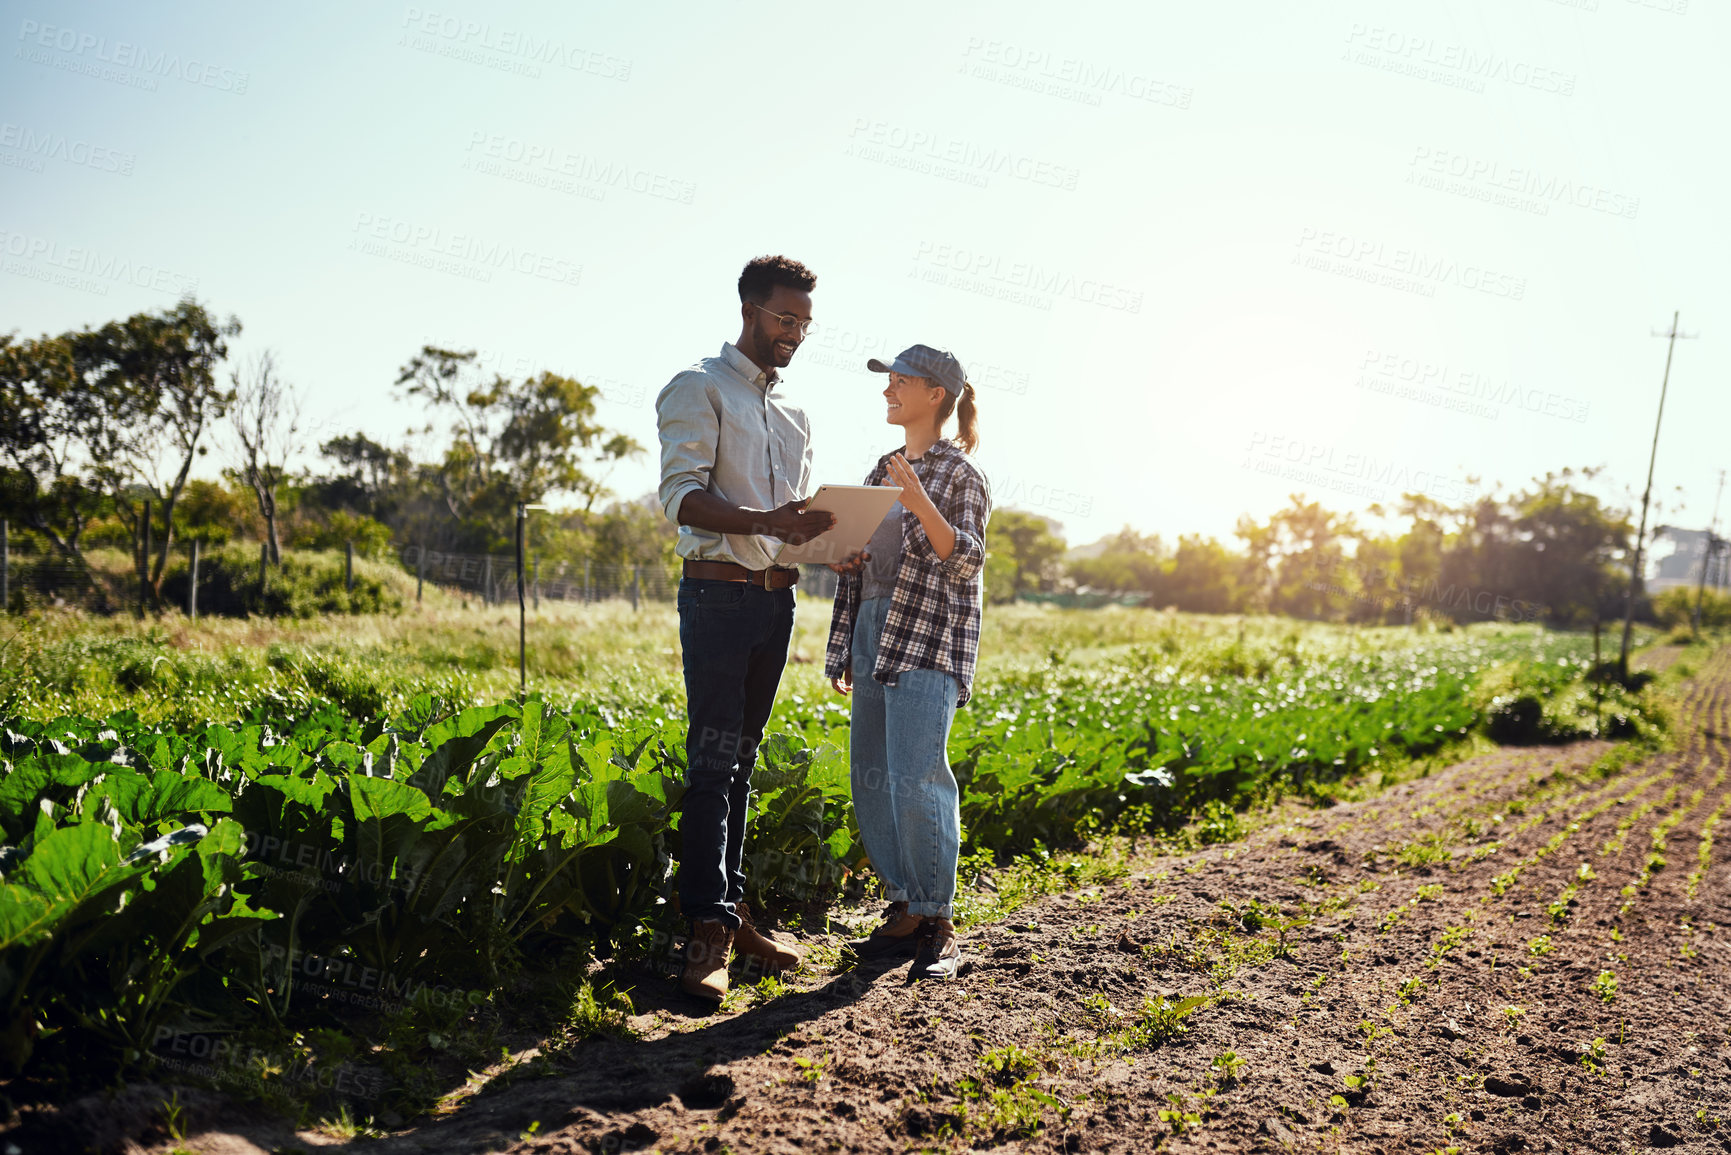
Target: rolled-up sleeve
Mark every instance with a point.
(967, 507)
(690, 430)
(838, 654)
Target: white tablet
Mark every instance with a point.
(858, 509)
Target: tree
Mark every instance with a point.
(512, 440)
(1293, 563)
(1127, 561)
(1420, 549)
(53, 425)
(1567, 543)
(999, 575)
(369, 470)
(1311, 540)
(214, 512)
(162, 367)
(266, 417)
(386, 486)
(1203, 577)
(1256, 577)
(1374, 581)
(630, 533)
(1032, 544)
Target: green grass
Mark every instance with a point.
(216, 669)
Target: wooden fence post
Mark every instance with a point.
(420, 573)
(487, 582)
(636, 581)
(5, 565)
(192, 585)
(349, 567)
(263, 565)
(144, 561)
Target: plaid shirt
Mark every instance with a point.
(934, 617)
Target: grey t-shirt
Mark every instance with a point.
(878, 579)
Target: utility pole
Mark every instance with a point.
(1707, 553)
(1646, 497)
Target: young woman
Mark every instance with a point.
(903, 640)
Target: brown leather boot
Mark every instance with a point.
(897, 934)
(705, 974)
(753, 943)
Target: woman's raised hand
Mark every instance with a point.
(913, 495)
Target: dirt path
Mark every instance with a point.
(1514, 954)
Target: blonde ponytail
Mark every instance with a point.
(967, 418)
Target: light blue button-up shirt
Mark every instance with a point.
(726, 430)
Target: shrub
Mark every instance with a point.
(305, 585)
(1675, 608)
(1524, 703)
(371, 538)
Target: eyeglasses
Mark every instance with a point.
(788, 320)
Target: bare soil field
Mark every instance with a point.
(1524, 952)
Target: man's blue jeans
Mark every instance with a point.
(904, 794)
(734, 639)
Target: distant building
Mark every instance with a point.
(1682, 566)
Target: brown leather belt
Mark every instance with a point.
(774, 578)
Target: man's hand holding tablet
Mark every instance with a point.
(857, 508)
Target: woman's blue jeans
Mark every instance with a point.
(904, 795)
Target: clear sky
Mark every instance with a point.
(1196, 257)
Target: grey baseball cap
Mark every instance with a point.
(924, 361)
